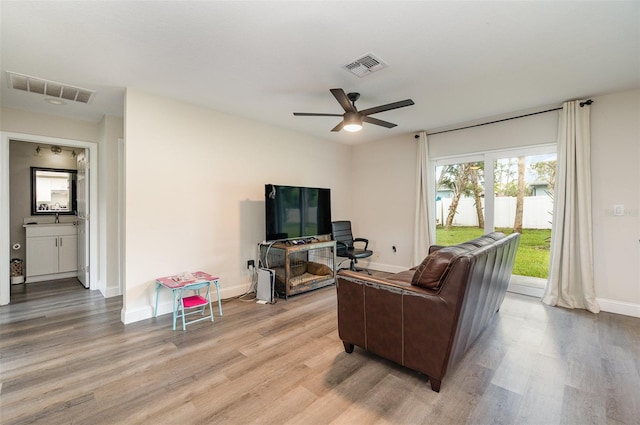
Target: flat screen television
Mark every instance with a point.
(293, 212)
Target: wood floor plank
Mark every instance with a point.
(65, 357)
(299, 398)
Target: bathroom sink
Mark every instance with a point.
(71, 223)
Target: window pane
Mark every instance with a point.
(523, 188)
(459, 202)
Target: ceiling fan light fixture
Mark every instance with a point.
(352, 118)
(352, 122)
(353, 127)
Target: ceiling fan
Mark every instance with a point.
(352, 118)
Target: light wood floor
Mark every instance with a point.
(67, 358)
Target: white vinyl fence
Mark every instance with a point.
(537, 214)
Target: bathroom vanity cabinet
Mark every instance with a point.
(52, 251)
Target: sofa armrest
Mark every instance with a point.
(407, 324)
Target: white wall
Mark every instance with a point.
(19, 121)
(521, 132)
(111, 129)
(615, 159)
(384, 200)
(195, 192)
(384, 185)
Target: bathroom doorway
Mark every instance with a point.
(10, 215)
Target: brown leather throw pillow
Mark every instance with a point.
(432, 268)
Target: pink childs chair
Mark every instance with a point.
(193, 304)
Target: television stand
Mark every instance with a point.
(301, 241)
(300, 267)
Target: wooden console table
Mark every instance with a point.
(300, 267)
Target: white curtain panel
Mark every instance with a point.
(570, 283)
(424, 234)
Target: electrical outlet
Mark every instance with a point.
(618, 209)
(395, 250)
(250, 264)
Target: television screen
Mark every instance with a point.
(296, 212)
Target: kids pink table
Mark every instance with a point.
(175, 282)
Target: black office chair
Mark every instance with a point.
(342, 234)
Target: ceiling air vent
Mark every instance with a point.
(48, 88)
(365, 65)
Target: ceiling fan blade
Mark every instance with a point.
(313, 114)
(376, 121)
(388, 107)
(338, 127)
(343, 100)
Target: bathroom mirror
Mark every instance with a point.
(53, 191)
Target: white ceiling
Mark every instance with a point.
(459, 61)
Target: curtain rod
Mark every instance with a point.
(586, 102)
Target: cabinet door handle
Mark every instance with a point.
(60, 240)
(56, 242)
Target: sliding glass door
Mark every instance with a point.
(505, 191)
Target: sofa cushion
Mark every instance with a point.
(435, 265)
(404, 276)
(487, 239)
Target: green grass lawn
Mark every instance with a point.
(532, 258)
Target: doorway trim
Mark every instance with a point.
(5, 196)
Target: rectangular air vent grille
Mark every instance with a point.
(49, 88)
(366, 65)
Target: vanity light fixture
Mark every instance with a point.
(56, 150)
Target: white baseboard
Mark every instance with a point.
(147, 312)
(389, 268)
(42, 278)
(619, 307)
(525, 290)
(111, 292)
(136, 315)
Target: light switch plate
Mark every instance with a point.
(618, 209)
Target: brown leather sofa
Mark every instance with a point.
(427, 317)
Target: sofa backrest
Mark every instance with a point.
(433, 270)
(487, 276)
